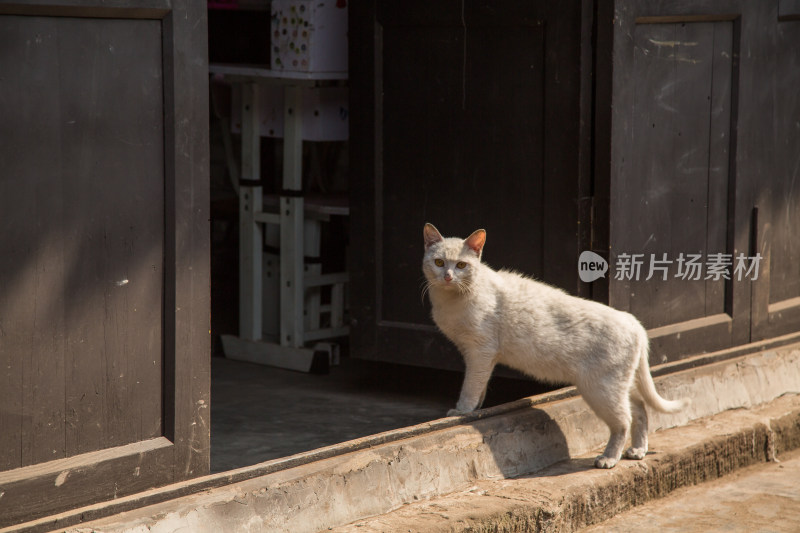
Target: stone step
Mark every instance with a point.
(521, 465)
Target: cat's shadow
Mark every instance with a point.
(578, 465)
(526, 442)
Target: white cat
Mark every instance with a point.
(503, 317)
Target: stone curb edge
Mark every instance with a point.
(598, 497)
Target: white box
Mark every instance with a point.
(309, 35)
(325, 112)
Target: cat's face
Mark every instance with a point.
(450, 263)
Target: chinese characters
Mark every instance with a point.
(714, 266)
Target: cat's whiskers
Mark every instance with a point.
(426, 287)
(464, 287)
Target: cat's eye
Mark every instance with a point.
(439, 262)
(461, 264)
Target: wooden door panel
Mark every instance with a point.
(784, 214)
(449, 138)
(85, 273)
(468, 116)
(103, 256)
(718, 74)
(674, 178)
(776, 293)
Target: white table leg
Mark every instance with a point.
(292, 221)
(250, 203)
(312, 237)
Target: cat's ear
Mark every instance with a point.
(476, 241)
(431, 235)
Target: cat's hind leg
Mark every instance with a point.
(639, 428)
(615, 410)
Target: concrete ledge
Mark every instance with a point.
(339, 484)
(572, 494)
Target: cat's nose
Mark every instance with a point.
(448, 277)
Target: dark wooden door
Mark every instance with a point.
(702, 163)
(103, 251)
(465, 115)
(776, 105)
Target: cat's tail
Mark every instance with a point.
(647, 389)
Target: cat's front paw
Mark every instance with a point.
(456, 412)
(605, 462)
(635, 453)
